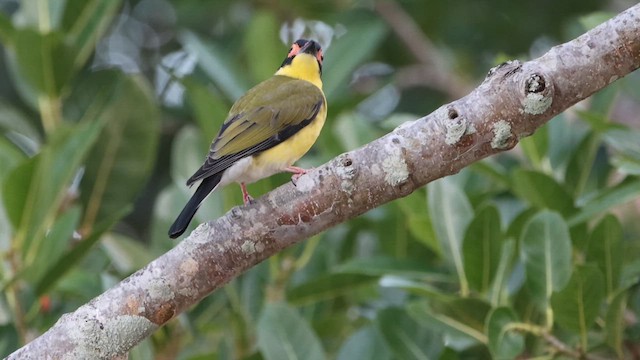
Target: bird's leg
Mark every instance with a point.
(297, 172)
(245, 194)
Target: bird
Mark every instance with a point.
(266, 131)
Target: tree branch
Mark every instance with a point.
(511, 103)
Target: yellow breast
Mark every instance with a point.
(285, 154)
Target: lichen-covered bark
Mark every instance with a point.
(511, 103)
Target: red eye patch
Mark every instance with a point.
(295, 48)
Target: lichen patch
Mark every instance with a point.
(536, 104)
(248, 247)
(394, 167)
(501, 135)
(455, 130)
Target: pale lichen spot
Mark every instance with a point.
(248, 247)
(394, 167)
(305, 183)
(189, 267)
(346, 186)
(536, 104)
(471, 129)
(455, 130)
(158, 291)
(107, 339)
(346, 172)
(200, 234)
(376, 170)
(501, 134)
(235, 228)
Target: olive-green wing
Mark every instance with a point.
(264, 117)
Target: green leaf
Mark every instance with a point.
(54, 245)
(73, 256)
(564, 137)
(481, 248)
(365, 343)
(124, 155)
(420, 288)
(414, 210)
(450, 212)
(34, 190)
(209, 109)
(84, 23)
(327, 287)
(626, 154)
(576, 306)
(216, 63)
(189, 147)
(6, 230)
(597, 121)
(623, 192)
(545, 250)
(503, 272)
(283, 334)
(383, 265)
(492, 170)
(6, 30)
(364, 34)
(44, 60)
(13, 119)
(519, 222)
(504, 342)
(602, 102)
(126, 254)
(535, 147)
(630, 274)
(462, 320)
(261, 37)
(542, 191)
(44, 16)
(9, 339)
(406, 338)
(16, 187)
(606, 250)
(352, 130)
(580, 165)
(614, 322)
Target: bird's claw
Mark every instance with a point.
(297, 173)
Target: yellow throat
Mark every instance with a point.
(303, 67)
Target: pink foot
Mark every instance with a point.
(245, 194)
(297, 172)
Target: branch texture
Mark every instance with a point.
(513, 101)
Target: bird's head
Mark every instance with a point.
(302, 46)
(303, 61)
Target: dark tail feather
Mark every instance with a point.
(182, 222)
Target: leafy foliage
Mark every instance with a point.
(105, 111)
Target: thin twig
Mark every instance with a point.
(565, 349)
(432, 69)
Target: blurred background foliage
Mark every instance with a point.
(106, 107)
